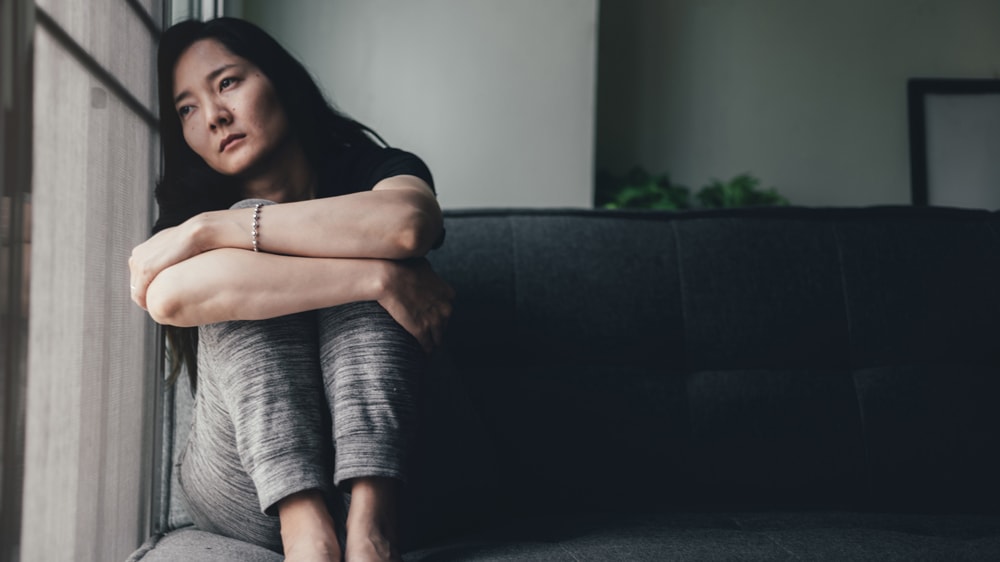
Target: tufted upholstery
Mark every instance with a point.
(803, 369)
(788, 357)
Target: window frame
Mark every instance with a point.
(16, 78)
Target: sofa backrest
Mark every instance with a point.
(747, 358)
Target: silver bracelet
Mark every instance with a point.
(255, 224)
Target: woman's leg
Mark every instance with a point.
(371, 370)
(259, 433)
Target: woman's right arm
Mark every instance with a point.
(397, 219)
(231, 284)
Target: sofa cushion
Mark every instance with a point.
(742, 536)
(598, 537)
(189, 543)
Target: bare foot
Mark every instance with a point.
(306, 551)
(371, 548)
(307, 531)
(371, 522)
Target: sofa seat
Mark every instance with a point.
(728, 536)
(601, 537)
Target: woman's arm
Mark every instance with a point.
(398, 219)
(231, 284)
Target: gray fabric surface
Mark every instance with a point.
(744, 536)
(260, 429)
(183, 404)
(267, 391)
(192, 545)
(601, 537)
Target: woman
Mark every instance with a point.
(294, 243)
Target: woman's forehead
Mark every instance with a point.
(201, 59)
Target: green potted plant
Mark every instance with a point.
(639, 190)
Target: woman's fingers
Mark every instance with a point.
(420, 301)
(440, 312)
(437, 335)
(431, 335)
(444, 312)
(137, 282)
(162, 250)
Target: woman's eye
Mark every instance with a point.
(226, 82)
(183, 111)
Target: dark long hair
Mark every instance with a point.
(188, 185)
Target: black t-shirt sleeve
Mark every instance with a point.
(167, 220)
(357, 169)
(348, 170)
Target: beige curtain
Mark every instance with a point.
(92, 388)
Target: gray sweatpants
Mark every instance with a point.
(294, 403)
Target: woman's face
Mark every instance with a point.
(228, 109)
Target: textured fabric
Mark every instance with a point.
(194, 545)
(838, 358)
(371, 374)
(599, 537)
(833, 536)
(293, 403)
(260, 430)
(180, 397)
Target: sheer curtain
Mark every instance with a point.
(92, 386)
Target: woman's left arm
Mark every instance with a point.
(398, 219)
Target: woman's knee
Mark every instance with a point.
(257, 348)
(367, 329)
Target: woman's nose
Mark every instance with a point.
(220, 116)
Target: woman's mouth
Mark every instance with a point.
(228, 141)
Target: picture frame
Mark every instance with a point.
(954, 130)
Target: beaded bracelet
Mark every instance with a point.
(255, 224)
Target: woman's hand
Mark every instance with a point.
(418, 300)
(168, 247)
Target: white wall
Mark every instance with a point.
(810, 96)
(496, 95)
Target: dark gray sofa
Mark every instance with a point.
(756, 384)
